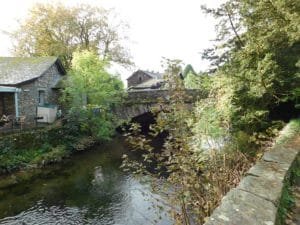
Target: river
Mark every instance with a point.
(89, 188)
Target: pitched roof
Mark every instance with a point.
(16, 70)
(151, 74)
(154, 75)
(147, 84)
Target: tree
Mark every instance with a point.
(91, 94)
(229, 37)
(262, 62)
(54, 29)
(194, 178)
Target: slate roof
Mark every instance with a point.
(16, 70)
(151, 74)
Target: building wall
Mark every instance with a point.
(137, 78)
(28, 97)
(7, 104)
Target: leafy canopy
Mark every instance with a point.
(261, 40)
(54, 29)
(91, 93)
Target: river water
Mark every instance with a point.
(89, 188)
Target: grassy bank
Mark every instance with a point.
(36, 148)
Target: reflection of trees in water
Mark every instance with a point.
(99, 193)
(82, 190)
(72, 186)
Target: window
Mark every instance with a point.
(140, 79)
(41, 97)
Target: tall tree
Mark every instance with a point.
(91, 93)
(90, 83)
(229, 33)
(263, 62)
(54, 29)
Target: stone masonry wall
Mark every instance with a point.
(137, 78)
(255, 201)
(156, 95)
(139, 102)
(28, 97)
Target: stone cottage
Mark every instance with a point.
(144, 79)
(29, 86)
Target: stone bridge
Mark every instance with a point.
(139, 102)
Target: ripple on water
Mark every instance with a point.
(90, 190)
(41, 214)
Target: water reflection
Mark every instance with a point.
(89, 189)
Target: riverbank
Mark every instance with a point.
(39, 147)
(87, 188)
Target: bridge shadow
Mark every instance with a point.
(145, 121)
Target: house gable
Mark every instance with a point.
(29, 97)
(140, 77)
(36, 79)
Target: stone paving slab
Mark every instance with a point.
(281, 154)
(269, 170)
(269, 189)
(243, 208)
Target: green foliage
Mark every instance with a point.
(56, 154)
(188, 69)
(287, 200)
(286, 203)
(55, 29)
(261, 64)
(90, 83)
(91, 94)
(84, 122)
(196, 177)
(40, 147)
(200, 81)
(208, 125)
(257, 69)
(292, 129)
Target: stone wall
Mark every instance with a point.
(128, 112)
(160, 95)
(255, 201)
(28, 97)
(137, 78)
(139, 102)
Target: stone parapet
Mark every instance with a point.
(161, 95)
(255, 201)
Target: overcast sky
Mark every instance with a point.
(158, 28)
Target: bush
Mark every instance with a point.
(56, 154)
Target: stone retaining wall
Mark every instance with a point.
(255, 201)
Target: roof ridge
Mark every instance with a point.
(151, 74)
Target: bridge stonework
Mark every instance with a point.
(139, 102)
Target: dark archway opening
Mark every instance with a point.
(145, 120)
(284, 111)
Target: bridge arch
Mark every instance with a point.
(139, 102)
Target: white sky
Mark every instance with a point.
(158, 28)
